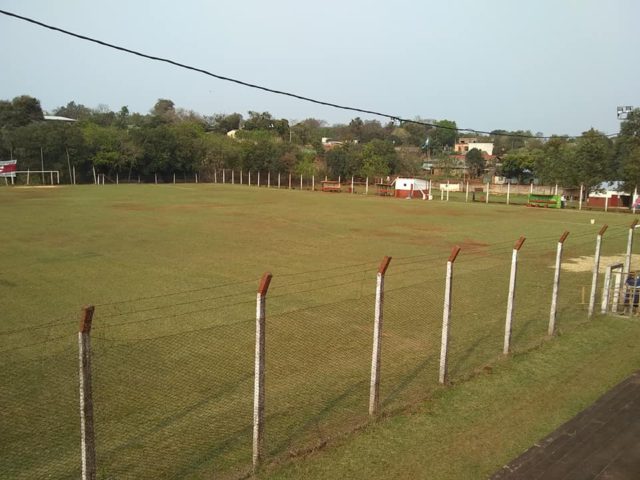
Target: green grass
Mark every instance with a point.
(173, 271)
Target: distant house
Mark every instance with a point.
(464, 144)
(609, 194)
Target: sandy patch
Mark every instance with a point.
(585, 263)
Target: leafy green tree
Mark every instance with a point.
(592, 159)
(20, 111)
(627, 151)
(475, 162)
(444, 137)
(73, 110)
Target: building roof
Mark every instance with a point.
(59, 119)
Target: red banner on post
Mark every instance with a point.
(8, 168)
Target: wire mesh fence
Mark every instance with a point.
(174, 374)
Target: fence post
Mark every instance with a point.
(174, 178)
(313, 183)
(466, 195)
(508, 192)
(87, 432)
(258, 384)
(258, 178)
(556, 285)
(278, 179)
(352, 191)
(374, 391)
(627, 258)
(300, 182)
(633, 200)
(581, 193)
(486, 200)
(596, 267)
(249, 180)
(289, 180)
(366, 186)
(512, 295)
(446, 313)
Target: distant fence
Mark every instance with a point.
(215, 381)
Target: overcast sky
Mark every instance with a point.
(554, 66)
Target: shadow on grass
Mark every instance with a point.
(406, 381)
(458, 363)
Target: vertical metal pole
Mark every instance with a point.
(512, 296)
(258, 384)
(556, 285)
(580, 200)
(87, 432)
(42, 164)
(446, 314)
(374, 391)
(596, 267)
(627, 258)
(606, 289)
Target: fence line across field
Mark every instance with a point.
(410, 341)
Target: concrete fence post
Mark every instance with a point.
(508, 192)
(512, 296)
(556, 285)
(486, 200)
(233, 177)
(240, 176)
(289, 180)
(249, 180)
(633, 200)
(258, 184)
(196, 175)
(580, 199)
(87, 431)
(215, 175)
(446, 314)
(278, 179)
(269, 179)
(300, 182)
(258, 384)
(313, 183)
(627, 258)
(374, 391)
(224, 177)
(596, 268)
(366, 186)
(466, 194)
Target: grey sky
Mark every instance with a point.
(550, 66)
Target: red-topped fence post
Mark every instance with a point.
(258, 385)
(87, 431)
(596, 268)
(374, 391)
(512, 296)
(446, 313)
(556, 285)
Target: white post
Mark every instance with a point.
(633, 200)
(487, 198)
(366, 186)
(233, 177)
(606, 289)
(556, 191)
(374, 391)
(240, 176)
(580, 200)
(258, 383)
(28, 173)
(51, 177)
(466, 195)
(117, 178)
(627, 258)
(174, 178)
(249, 181)
(95, 179)
(74, 175)
(289, 180)
(447, 190)
(352, 191)
(556, 285)
(258, 178)
(508, 192)
(156, 177)
(224, 175)
(300, 182)
(87, 432)
(278, 179)
(441, 193)
(531, 188)
(446, 314)
(196, 177)
(215, 176)
(512, 296)
(313, 183)
(596, 267)
(269, 179)
(606, 202)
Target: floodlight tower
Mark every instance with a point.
(624, 111)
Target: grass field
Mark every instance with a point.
(173, 271)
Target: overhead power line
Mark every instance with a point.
(270, 90)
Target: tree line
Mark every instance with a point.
(170, 140)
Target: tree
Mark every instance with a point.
(627, 151)
(73, 110)
(475, 162)
(20, 111)
(444, 136)
(592, 159)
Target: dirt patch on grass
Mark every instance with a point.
(585, 263)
